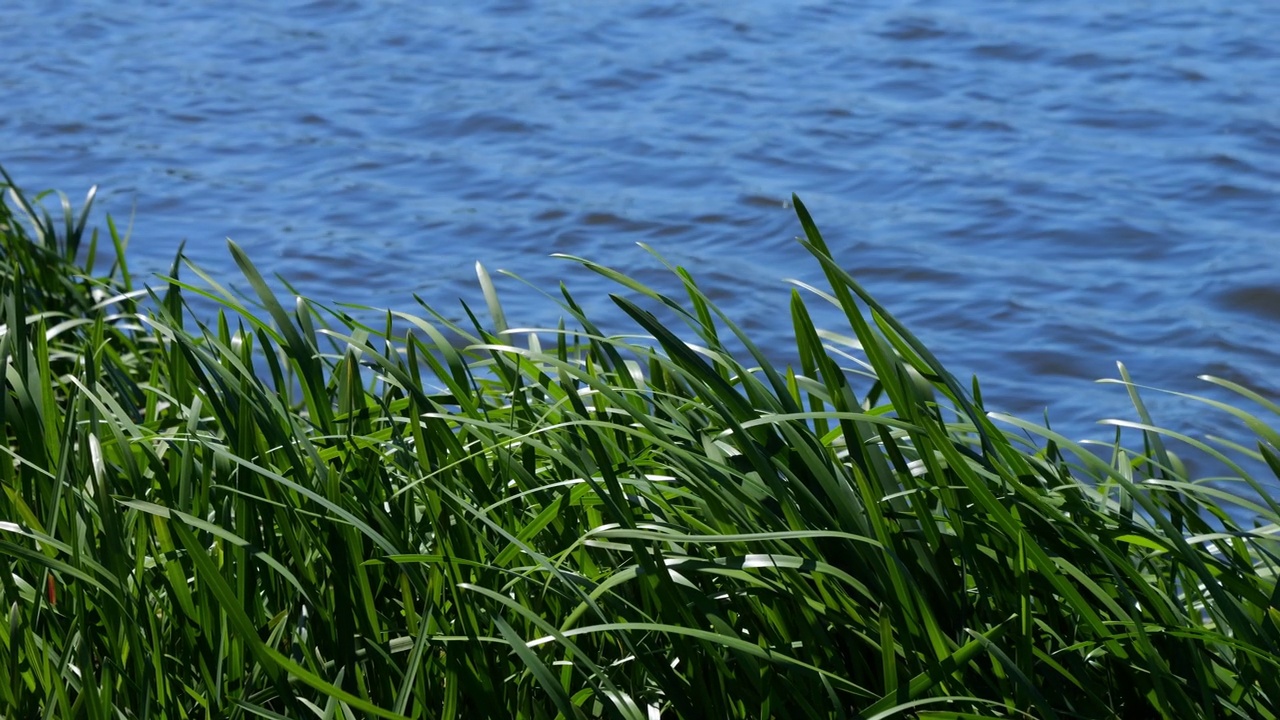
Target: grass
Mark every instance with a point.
(278, 511)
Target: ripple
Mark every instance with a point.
(1009, 51)
(1260, 301)
(913, 29)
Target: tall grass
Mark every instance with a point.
(280, 511)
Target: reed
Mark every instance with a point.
(279, 510)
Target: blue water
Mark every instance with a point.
(1037, 189)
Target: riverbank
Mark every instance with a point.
(279, 509)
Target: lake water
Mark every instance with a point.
(1037, 189)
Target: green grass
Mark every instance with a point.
(285, 512)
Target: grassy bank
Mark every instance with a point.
(286, 513)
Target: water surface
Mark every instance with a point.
(1038, 189)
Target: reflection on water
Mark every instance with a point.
(1038, 189)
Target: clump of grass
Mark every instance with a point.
(285, 511)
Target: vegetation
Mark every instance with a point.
(286, 512)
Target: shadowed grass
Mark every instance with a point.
(286, 512)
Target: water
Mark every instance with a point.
(1039, 190)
